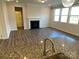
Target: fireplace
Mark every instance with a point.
(34, 24)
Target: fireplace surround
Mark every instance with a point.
(34, 24)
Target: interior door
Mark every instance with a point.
(19, 17)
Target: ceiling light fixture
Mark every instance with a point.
(68, 3)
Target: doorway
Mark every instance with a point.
(19, 17)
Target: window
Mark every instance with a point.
(64, 15)
(74, 16)
(57, 13)
(74, 19)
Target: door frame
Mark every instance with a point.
(20, 9)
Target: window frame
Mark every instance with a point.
(72, 15)
(57, 15)
(68, 16)
(64, 15)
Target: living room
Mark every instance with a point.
(25, 24)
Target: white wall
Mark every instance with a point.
(4, 30)
(41, 13)
(6, 19)
(29, 11)
(0, 21)
(70, 28)
(11, 16)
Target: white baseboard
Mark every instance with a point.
(14, 29)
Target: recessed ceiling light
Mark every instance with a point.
(8, 0)
(43, 1)
(17, 1)
(25, 58)
(68, 0)
(41, 41)
(63, 45)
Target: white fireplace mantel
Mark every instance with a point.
(33, 19)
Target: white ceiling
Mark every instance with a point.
(54, 3)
